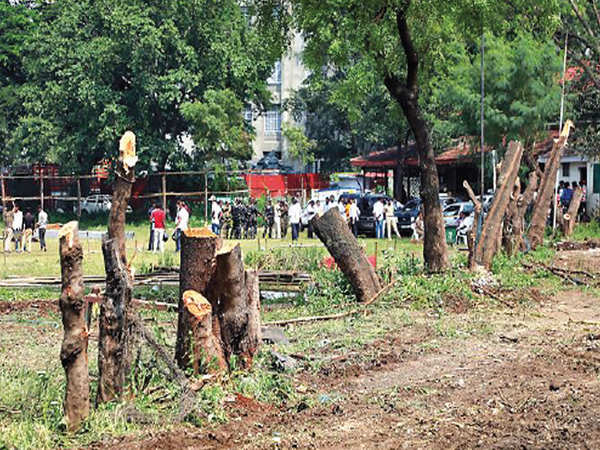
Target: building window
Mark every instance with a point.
(273, 121)
(275, 77)
(248, 114)
(565, 170)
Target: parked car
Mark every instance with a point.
(98, 203)
(408, 214)
(451, 213)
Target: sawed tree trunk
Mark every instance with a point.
(333, 231)
(114, 342)
(546, 191)
(511, 225)
(488, 243)
(73, 352)
(570, 218)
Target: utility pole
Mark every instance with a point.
(560, 124)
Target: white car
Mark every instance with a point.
(452, 212)
(98, 203)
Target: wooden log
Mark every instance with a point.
(115, 336)
(333, 231)
(114, 353)
(488, 242)
(207, 352)
(511, 227)
(198, 263)
(570, 218)
(472, 236)
(546, 191)
(73, 352)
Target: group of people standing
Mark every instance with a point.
(565, 194)
(19, 228)
(158, 229)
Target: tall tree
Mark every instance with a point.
(97, 68)
(403, 39)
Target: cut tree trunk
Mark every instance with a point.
(570, 218)
(512, 226)
(198, 264)
(73, 352)
(114, 353)
(546, 191)
(488, 243)
(472, 236)
(207, 352)
(525, 200)
(347, 253)
(234, 296)
(115, 338)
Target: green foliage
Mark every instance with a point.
(300, 146)
(98, 68)
(292, 258)
(217, 125)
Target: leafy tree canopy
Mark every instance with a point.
(98, 68)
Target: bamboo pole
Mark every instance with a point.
(3, 193)
(42, 190)
(205, 197)
(78, 197)
(164, 191)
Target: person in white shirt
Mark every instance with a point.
(42, 223)
(379, 214)
(17, 226)
(182, 221)
(391, 221)
(354, 214)
(311, 212)
(277, 220)
(295, 213)
(465, 226)
(216, 213)
(332, 203)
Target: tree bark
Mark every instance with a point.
(114, 352)
(333, 231)
(488, 242)
(73, 352)
(546, 191)
(472, 236)
(198, 264)
(511, 229)
(570, 218)
(114, 343)
(435, 250)
(233, 292)
(207, 352)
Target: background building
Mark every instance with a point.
(288, 75)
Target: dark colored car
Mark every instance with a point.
(408, 214)
(365, 202)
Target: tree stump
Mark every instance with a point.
(570, 218)
(198, 264)
(233, 292)
(511, 226)
(115, 336)
(73, 352)
(114, 354)
(546, 191)
(207, 352)
(333, 231)
(491, 232)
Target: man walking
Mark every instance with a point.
(151, 238)
(9, 215)
(158, 218)
(269, 217)
(17, 227)
(379, 214)
(216, 213)
(354, 216)
(391, 221)
(311, 212)
(295, 212)
(285, 217)
(42, 223)
(181, 223)
(29, 224)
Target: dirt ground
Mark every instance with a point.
(528, 378)
(531, 381)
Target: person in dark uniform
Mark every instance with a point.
(285, 217)
(237, 219)
(269, 217)
(252, 218)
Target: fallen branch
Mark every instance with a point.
(335, 316)
(561, 273)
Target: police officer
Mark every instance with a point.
(269, 217)
(252, 219)
(285, 218)
(237, 219)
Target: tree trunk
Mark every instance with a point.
(114, 342)
(73, 352)
(207, 352)
(472, 236)
(510, 231)
(570, 218)
(114, 352)
(546, 191)
(234, 297)
(435, 250)
(198, 264)
(488, 242)
(347, 253)
(522, 206)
